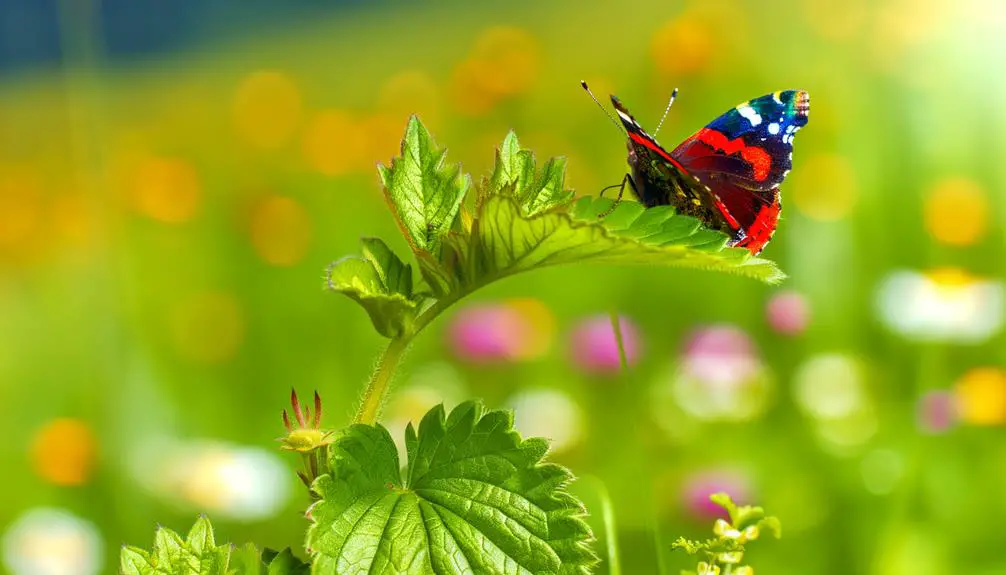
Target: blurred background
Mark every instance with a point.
(174, 177)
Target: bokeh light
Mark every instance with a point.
(831, 388)
(981, 396)
(946, 304)
(20, 206)
(512, 330)
(697, 487)
(957, 212)
(166, 189)
(207, 327)
(63, 451)
(230, 481)
(593, 344)
(788, 313)
(267, 109)
(280, 230)
(548, 413)
(937, 412)
(51, 541)
(720, 376)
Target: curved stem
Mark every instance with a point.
(380, 381)
(616, 325)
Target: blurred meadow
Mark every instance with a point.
(166, 214)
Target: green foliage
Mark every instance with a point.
(724, 553)
(198, 554)
(475, 497)
(521, 218)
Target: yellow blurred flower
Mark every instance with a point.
(510, 57)
(467, 93)
(166, 189)
(335, 143)
(71, 220)
(63, 452)
(208, 327)
(825, 187)
(280, 230)
(683, 46)
(503, 63)
(410, 92)
(267, 109)
(957, 212)
(981, 396)
(20, 205)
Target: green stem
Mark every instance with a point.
(380, 381)
(616, 325)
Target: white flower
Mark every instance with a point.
(46, 541)
(943, 305)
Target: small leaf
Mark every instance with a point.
(197, 554)
(395, 275)
(381, 283)
(514, 174)
(772, 524)
(424, 192)
(475, 499)
(284, 563)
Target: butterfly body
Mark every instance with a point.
(728, 173)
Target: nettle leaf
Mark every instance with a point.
(198, 554)
(514, 174)
(424, 191)
(381, 283)
(504, 241)
(475, 498)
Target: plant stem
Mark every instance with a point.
(616, 324)
(380, 381)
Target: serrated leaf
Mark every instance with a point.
(475, 499)
(504, 241)
(197, 554)
(284, 563)
(514, 174)
(424, 191)
(381, 283)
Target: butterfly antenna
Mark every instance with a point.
(674, 94)
(603, 109)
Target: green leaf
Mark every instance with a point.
(198, 554)
(514, 174)
(475, 498)
(505, 242)
(283, 563)
(424, 191)
(381, 283)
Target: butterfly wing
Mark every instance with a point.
(750, 145)
(743, 156)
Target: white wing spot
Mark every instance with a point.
(750, 114)
(773, 128)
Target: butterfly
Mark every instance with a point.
(728, 173)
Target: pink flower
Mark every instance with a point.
(720, 354)
(788, 313)
(594, 348)
(510, 331)
(936, 413)
(698, 487)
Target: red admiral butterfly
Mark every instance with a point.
(727, 174)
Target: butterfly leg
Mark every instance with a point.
(621, 191)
